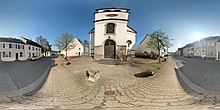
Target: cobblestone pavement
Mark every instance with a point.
(117, 88)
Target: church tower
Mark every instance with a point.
(111, 34)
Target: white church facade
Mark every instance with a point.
(111, 33)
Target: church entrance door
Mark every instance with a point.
(109, 49)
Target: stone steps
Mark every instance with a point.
(109, 61)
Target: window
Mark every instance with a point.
(16, 46)
(32, 48)
(36, 49)
(3, 45)
(3, 54)
(10, 46)
(21, 54)
(9, 54)
(23, 46)
(29, 54)
(29, 47)
(110, 28)
(79, 48)
(19, 46)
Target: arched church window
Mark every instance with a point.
(110, 28)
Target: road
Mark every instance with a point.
(18, 74)
(203, 72)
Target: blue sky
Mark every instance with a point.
(184, 21)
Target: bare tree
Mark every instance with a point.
(159, 40)
(45, 45)
(63, 41)
(85, 45)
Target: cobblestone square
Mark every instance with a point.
(67, 87)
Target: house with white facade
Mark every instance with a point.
(206, 47)
(12, 49)
(74, 48)
(186, 51)
(218, 49)
(111, 33)
(143, 47)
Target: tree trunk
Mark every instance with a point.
(159, 54)
(66, 55)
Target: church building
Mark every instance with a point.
(111, 33)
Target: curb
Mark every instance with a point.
(188, 82)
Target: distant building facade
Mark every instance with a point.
(12, 49)
(218, 49)
(75, 48)
(180, 52)
(111, 33)
(204, 48)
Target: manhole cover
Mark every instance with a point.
(109, 93)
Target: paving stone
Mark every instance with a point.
(67, 88)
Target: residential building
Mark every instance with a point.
(190, 50)
(144, 48)
(111, 33)
(218, 49)
(12, 49)
(206, 47)
(180, 52)
(186, 51)
(75, 48)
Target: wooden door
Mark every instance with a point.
(109, 49)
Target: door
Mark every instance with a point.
(16, 56)
(79, 53)
(109, 49)
(218, 55)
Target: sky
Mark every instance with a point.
(184, 21)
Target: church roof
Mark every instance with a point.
(113, 9)
(132, 30)
(92, 30)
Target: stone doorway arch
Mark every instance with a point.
(109, 49)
